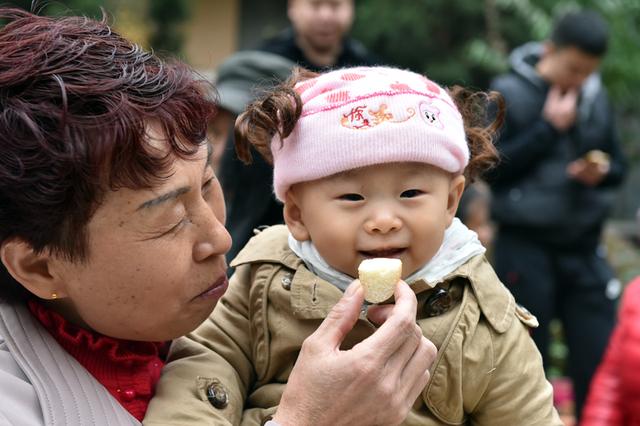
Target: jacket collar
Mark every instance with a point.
(270, 246)
(66, 391)
(313, 298)
(496, 302)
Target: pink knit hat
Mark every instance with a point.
(356, 117)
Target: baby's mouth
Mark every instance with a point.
(392, 252)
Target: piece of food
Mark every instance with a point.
(378, 277)
(597, 156)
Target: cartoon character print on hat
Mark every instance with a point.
(363, 117)
(430, 114)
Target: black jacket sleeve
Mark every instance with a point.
(617, 157)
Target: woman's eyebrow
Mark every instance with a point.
(171, 195)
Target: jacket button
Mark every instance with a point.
(438, 303)
(286, 282)
(217, 396)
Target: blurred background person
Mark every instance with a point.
(247, 188)
(474, 211)
(241, 78)
(553, 191)
(318, 37)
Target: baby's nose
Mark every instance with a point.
(383, 222)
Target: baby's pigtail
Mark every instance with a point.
(481, 127)
(276, 113)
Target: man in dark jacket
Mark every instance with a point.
(318, 37)
(561, 162)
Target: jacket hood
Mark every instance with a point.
(523, 62)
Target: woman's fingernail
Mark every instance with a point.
(353, 287)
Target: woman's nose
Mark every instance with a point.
(382, 222)
(212, 237)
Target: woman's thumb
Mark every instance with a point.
(342, 317)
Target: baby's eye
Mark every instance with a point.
(351, 197)
(410, 193)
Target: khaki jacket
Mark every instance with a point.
(487, 372)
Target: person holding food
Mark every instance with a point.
(112, 241)
(370, 163)
(555, 186)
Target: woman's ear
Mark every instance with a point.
(31, 269)
(456, 188)
(293, 217)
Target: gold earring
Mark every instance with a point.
(54, 296)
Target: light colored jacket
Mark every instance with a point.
(487, 372)
(41, 384)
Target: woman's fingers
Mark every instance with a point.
(417, 368)
(378, 314)
(341, 318)
(398, 326)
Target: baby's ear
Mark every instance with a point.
(456, 188)
(293, 217)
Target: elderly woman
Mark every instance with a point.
(112, 242)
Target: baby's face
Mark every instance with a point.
(396, 210)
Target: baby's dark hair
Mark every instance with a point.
(279, 111)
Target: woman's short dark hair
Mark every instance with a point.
(75, 100)
(585, 30)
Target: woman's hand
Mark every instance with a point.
(374, 383)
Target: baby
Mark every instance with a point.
(369, 162)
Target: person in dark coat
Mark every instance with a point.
(552, 192)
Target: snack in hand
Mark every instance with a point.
(597, 156)
(378, 277)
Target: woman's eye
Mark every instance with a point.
(410, 193)
(351, 197)
(206, 187)
(175, 228)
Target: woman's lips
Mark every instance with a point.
(216, 290)
(393, 252)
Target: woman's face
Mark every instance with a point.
(156, 265)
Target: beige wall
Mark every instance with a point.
(211, 33)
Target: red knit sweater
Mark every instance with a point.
(128, 369)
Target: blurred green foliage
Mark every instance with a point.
(89, 8)
(468, 41)
(167, 17)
